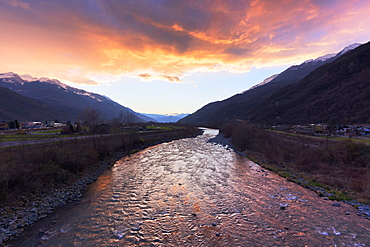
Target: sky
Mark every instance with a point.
(172, 56)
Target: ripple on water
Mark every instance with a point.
(193, 193)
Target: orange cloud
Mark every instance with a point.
(82, 40)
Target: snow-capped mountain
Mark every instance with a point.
(334, 55)
(322, 58)
(69, 99)
(167, 118)
(309, 65)
(238, 106)
(267, 80)
(348, 48)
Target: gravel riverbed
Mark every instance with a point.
(13, 219)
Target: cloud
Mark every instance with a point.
(145, 76)
(171, 38)
(16, 4)
(172, 79)
(150, 77)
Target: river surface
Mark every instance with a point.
(194, 193)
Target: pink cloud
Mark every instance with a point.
(171, 37)
(16, 4)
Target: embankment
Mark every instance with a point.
(337, 170)
(38, 178)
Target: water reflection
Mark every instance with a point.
(193, 193)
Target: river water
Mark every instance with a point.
(191, 192)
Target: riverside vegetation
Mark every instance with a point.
(32, 169)
(339, 170)
(37, 178)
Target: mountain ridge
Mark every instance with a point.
(25, 108)
(166, 118)
(337, 92)
(68, 99)
(236, 105)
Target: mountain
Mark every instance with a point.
(171, 118)
(267, 80)
(66, 99)
(337, 92)
(240, 104)
(15, 106)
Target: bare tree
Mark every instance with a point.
(91, 116)
(130, 118)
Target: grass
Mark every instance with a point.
(341, 168)
(354, 139)
(51, 131)
(36, 169)
(9, 138)
(323, 137)
(163, 127)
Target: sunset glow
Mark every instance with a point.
(96, 42)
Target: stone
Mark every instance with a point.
(336, 204)
(20, 222)
(283, 206)
(12, 226)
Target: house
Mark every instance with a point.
(33, 125)
(319, 127)
(60, 125)
(364, 130)
(4, 126)
(49, 123)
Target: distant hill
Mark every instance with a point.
(337, 92)
(64, 98)
(239, 106)
(171, 118)
(15, 106)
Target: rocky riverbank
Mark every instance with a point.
(13, 219)
(363, 209)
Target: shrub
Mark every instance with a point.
(342, 164)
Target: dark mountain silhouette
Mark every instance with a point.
(65, 98)
(337, 92)
(241, 105)
(15, 106)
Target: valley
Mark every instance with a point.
(196, 192)
(309, 124)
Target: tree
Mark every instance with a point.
(91, 116)
(130, 118)
(78, 128)
(16, 123)
(11, 125)
(71, 129)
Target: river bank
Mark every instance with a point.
(25, 210)
(306, 177)
(192, 193)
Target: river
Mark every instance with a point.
(191, 192)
